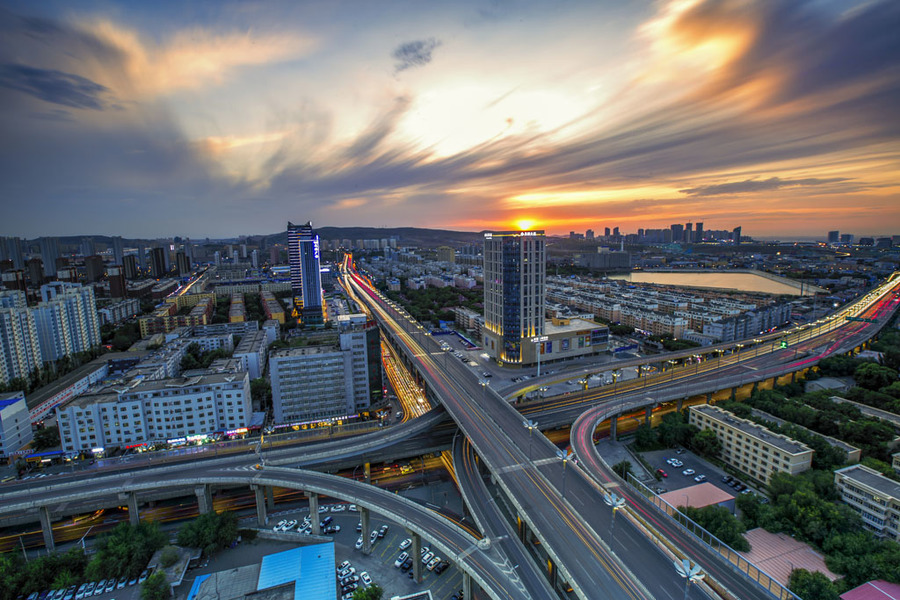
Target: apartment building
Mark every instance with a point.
(251, 351)
(20, 351)
(751, 448)
(66, 321)
(15, 424)
(875, 497)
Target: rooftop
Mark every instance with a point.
(873, 590)
(778, 554)
(574, 325)
(10, 398)
(697, 496)
(752, 429)
(871, 479)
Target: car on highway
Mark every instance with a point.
(688, 472)
(661, 473)
(401, 559)
(364, 576)
(405, 544)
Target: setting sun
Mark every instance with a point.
(525, 224)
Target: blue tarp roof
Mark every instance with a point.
(310, 567)
(196, 587)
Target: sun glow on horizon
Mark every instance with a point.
(525, 224)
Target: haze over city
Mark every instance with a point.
(229, 118)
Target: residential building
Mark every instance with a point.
(15, 424)
(11, 249)
(251, 351)
(236, 311)
(119, 311)
(67, 320)
(514, 279)
(875, 497)
(272, 306)
(306, 282)
(49, 254)
(131, 267)
(116, 277)
(158, 266)
(118, 250)
(446, 254)
(94, 268)
(751, 448)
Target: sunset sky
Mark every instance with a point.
(224, 118)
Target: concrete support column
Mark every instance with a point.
(709, 396)
(793, 376)
(366, 533)
(733, 393)
(259, 492)
(204, 498)
(367, 472)
(755, 387)
(679, 405)
(314, 513)
(467, 585)
(552, 572)
(648, 415)
(416, 554)
(47, 528)
(612, 427)
(523, 529)
(134, 517)
(270, 497)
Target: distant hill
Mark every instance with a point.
(406, 236)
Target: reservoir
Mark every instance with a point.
(744, 281)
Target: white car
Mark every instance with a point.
(352, 508)
(339, 508)
(433, 563)
(280, 526)
(405, 544)
(365, 578)
(343, 566)
(374, 536)
(428, 556)
(323, 509)
(688, 472)
(359, 543)
(403, 556)
(289, 525)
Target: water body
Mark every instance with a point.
(744, 281)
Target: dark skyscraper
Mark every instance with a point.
(677, 233)
(94, 268)
(689, 233)
(698, 235)
(158, 262)
(11, 249)
(606, 232)
(49, 254)
(118, 250)
(36, 270)
(306, 282)
(736, 235)
(834, 237)
(183, 263)
(130, 264)
(116, 276)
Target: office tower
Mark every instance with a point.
(88, 247)
(11, 249)
(689, 233)
(20, 351)
(183, 264)
(846, 238)
(130, 265)
(243, 250)
(189, 250)
(158, 263)
(254, 259)
(94, 268)
(606, 232)
(698, 234)
(736, 235)
(118, 250)
(35, 269)
(66, 320)
(615, 232)
(589, 234)
(677, 233)
(234, 256)
(14, 280)
(217, 258)
(834, 237)
(116, 276)
(514, 275)
(142, 251)
(274, 255)
(49, 254)
(306, 282)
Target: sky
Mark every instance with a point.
(218, 118)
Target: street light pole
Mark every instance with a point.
(538, 340)
(691, 574)
(564, 456)
(615, 502)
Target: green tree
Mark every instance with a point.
(812, 586)
(622, 469)
(674, 431)
(168, 556)
(125, 551)
(719, 521)
(373, 592)
(706, 442)
(46, 437)
(156, 587)
(261, 392)
(873, 376)
(209, 532)
(645, 438)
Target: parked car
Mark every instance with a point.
(343, 566)
(441, 567)
(727, 479)
(365, 578)
(405, 544)
(700, 478)
(662, 473)
(359, 543)
(373, 536)
(144, 575)
(382, 531)
(427, 558)
(688, 472)
(401, 559)
(433, 563)
(279, 526)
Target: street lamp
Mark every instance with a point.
(564, 456)
(530, 426)
(615, 375)
(672, 364)
(616, 503)
(690, 574)
(483, 383)
(538, 339)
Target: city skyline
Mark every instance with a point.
(229, 119)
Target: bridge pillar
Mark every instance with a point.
(260, 493)
(134, 517)
(612, 427)
(523, 530)
(366, 534)
(648, 414)
(709, 396)
(467, 585)
(679, 405)
(552, 572)
(793, 376)
(270, 497)
(47, 528)
(204, 499)
(755, 387)
(416, 554)
(314, 513)
(367, 472)
(733, 394)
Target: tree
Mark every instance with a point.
(168, 556)
(644, 438)
(373, 592)
(873, 376)
(674, 431)
(622, 469)
(46, 437)
(209, 532)
(261, 392)
(706, 442)
(812, 586)
(156, 587)
(125, 551)
(719, 521)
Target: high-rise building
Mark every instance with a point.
(141, 258)
(94, 268)
(514, 278)
(130, 264)
(834, 237)
(116, 276)
(11, 249)
(49, 254)
(15, 423)
(615, 232)
(306, 281)
(846, 238)
(14, 280)
(698, 234)
(20, 351)
(36, 269)
(118, 250)
(688, 233)
(254, 259)
(677, 230)
(88, 247)
(158, 263)
(183, 264)
(589, 234)
(736, 235)
(606, 232)
(217, 258)
(66, 320)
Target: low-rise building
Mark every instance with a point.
(119, 311)
(751, 448)
(875, 497)
(15, 424)
(272, 307)
(251, 351)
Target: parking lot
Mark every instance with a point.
(692, 464)
(379, 565)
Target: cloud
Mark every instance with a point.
(54, 86)
(414, 54)
(757, 185)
